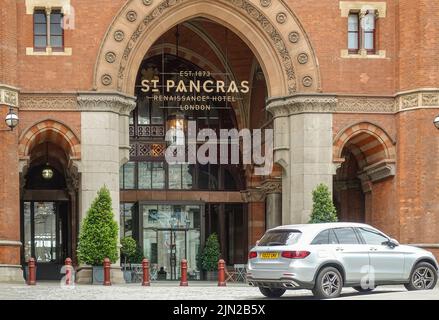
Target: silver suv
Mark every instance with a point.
(326, 257)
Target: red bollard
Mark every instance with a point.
(69, 271)
(183, 282)
(145, 267)
(107, 265)
(32, 277)
(221, 273)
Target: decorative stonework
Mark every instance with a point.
(46, 102)
(365, 104)
(294, 37)
(302, 58)
(131, 16)
(278, 37)
(409, 101)
(430, 99)
(110, 57)
(375, 173)
(295, 104)
(265, 3)
(8, 96)
(253, 195)
(281, 17)
(95, 101)
(106, 80)
(119, 35)
(307, 81)
(242, 5)
(272, 186)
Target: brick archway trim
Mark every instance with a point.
(273, 33)
(370, 140)
(52, 131)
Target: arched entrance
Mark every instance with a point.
(49, 183)
(367, 165)
(279, 53)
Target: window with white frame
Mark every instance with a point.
(362, 32)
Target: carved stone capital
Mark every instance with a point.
(253, 195)
(8, 96)
(106, 102)
(271, 186)
(296, 104)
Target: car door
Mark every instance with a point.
(352, 254)
(387, 263)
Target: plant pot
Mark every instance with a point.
(211, 275)
(98, 275)
(128, 276)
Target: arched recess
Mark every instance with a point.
(52, 131)
(366, 157)
(272, 32)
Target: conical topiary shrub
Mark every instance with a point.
(323, 209)
(211, 253)
(98, 237)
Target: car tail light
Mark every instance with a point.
(252, 255)
(295, 254)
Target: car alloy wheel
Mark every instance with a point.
(331, 283)
(423, 278)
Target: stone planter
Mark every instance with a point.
(211, 275)
(98, 275)
(128, 276)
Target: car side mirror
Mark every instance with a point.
(393, 243)
(257, 242)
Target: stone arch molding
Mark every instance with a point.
(268, 27)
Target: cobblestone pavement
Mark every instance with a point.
(195, 291)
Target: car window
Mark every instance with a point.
(372, 237)
(321, 238)
(280, 238)
(332, 237)
(346, 236)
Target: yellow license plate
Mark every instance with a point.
(269, 255)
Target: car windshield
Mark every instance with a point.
(280, 238)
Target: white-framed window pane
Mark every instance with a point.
(353, 41)
(353, 22)
(368, 40)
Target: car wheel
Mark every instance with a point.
(423, 277)
(272, 293)
(329, 284)
(361, 289)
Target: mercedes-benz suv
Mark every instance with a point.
(326, 257)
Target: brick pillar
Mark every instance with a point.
(10, 264)
(256, 215)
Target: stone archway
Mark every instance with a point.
(271, 31)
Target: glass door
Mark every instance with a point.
(172, 233)
(44, 236)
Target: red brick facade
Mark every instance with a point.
(404, 203)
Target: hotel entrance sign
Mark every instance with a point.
(193, 90)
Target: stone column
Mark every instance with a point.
(303, 147)
(273, 202)
(104, 123)
(10, 245)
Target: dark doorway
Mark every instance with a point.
(45, 236)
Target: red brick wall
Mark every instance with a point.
(8, 47)
(418, 176)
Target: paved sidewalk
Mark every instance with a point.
(195, 291)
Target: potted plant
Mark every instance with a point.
(98, 238)
(210, 257)
(128, 251)
(323, 209)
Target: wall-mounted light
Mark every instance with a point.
(11, 119)
(436, 122)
